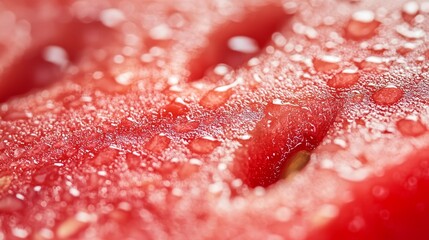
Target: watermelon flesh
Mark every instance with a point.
(214, 120)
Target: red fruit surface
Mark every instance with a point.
(214, 119)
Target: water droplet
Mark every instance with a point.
(380, 192)
(18, 115)
(243, 44)
(290, 7)
(387, 96)
(118, 59)
(283, 214)
(74, 192)
(177, 192)
(344, 79)
(5, 182)
(406, 48)
(173, 80)
(97, 75)
(221, 69)
(71, 227)
(410, 10)
(56, 55)
(111, 17)
(216, 187)
(362, 25)
(340, 142)
(158, 143)
(86, 98)
(373, 63)
(357, 224)
(105, 156)
(175, 109)
(409, 127)
(125, 78)
(203, 145)
(44, 234)
(354, 175)
(279, 39)
(186, 126)
(326, 63)
(325, 214)
(10, 204)
(407, 31)
(187, 169)
(161, 32)
(213, 99)
(20, 232)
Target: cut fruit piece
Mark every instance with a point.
(216, 120)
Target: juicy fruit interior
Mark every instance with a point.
(175, 119)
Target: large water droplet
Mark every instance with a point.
(158, 143)
(373, 63)
(20, 232)
(344, 79)
(10, 204)
(71, 227)
(56, 55)
(387, 96)
(174, 109)
(243, 44)
(410, 127)
(111, 17)
(411, 33)
(187, 169)
(326, 63)
(161, 32)
(203, 145)
(5, 182)
(214, 98)
(410, 10)
(125, 78)
(362, 25)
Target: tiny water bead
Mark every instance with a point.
(387, 96)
